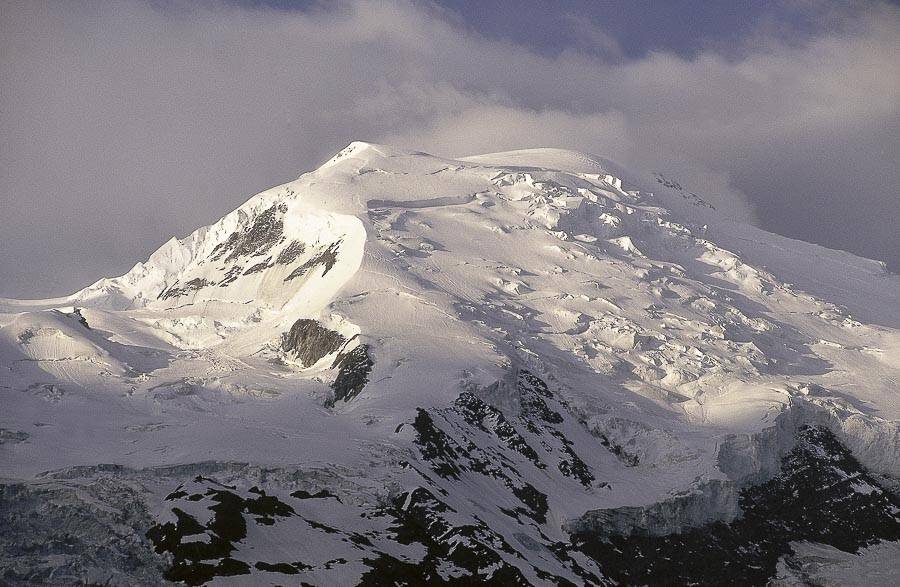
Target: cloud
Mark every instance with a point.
(124, 124)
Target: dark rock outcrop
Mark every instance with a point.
(177, 291)
(327, 257)
(256, 239)
(308, 341)
(201, 552)
(290, 253)
(353, 368)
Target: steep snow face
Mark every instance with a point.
(274, 252)
(483, 358)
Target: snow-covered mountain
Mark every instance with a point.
(530, 367)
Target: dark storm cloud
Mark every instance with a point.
(126, 123)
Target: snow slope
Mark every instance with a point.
(486, 365)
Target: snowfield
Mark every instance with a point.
(522, 368)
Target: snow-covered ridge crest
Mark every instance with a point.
(274, 228)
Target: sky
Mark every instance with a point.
(126, 123)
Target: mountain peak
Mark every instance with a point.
(526, 350)
(363, 152)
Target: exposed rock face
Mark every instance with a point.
(326, 258)
(177, 291)
(353, 368)
(192, 544)
(290, 253)
(424, 520)
(308, 341)
(77, 315)
(259, 267)
(204, 542)
(256, 239)
(445, 439)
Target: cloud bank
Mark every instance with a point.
(126, 123)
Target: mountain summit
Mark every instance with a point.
(530, 367)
